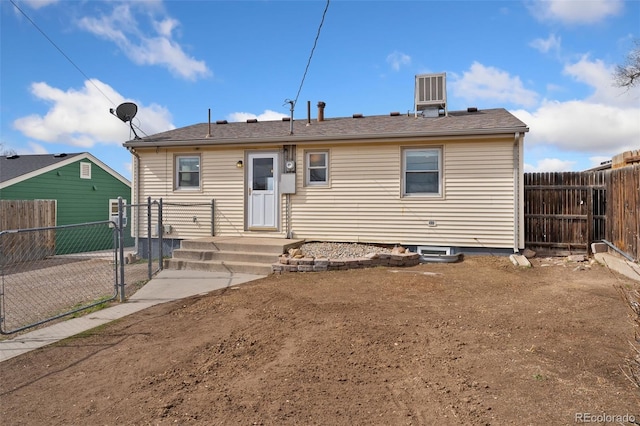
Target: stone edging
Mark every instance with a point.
(310, 264)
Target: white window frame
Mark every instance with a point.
(85, 170)
(113, 211)
(176, 175)
(432, 149)
(308, 168)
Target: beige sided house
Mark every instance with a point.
(438, 179)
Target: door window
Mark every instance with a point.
(262, 174)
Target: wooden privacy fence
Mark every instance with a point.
(565, 212)
(623, 215)
(27, 214)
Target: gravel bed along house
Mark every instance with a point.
(340, 250)
(327, 256)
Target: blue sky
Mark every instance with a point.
(548, 62)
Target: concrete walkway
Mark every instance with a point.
(619, 264)
(166, 286)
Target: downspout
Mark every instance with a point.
(134, 200)
(516, 192)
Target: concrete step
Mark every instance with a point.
(230, 254)
(233, 256)
(231, 266)
(256, 245)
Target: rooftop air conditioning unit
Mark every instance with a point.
(431, 94)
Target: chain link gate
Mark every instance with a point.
(158, 227)
(49, 273)
(145, 221)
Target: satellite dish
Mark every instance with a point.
(126, 112)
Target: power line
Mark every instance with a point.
(68, 58)
(60, 50)
(315, 42)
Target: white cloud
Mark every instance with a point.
(550, 165)
(599, 76)
(166, 26)
(604, 123)
(38, 4)
(550, 44)
(583, 126)
(398, 59)
(598, 160)
(492, 84)
(575, 12)
(122, 28)
(267, 115)
(33, 148)
(81, 117)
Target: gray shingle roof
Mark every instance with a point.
(14, 166)
(490, 121)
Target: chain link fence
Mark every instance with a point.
(159, 227)
(51, 272)
(186, 220)
(47, 273)
(142, 220)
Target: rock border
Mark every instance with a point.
(288, 263)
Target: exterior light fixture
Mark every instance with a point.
(239, 164)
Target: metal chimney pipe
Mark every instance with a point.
(308, 112)
(321, 106)
(209, 134)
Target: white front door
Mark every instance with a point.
(262, 182)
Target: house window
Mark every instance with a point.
(113, 211)
(317, 171)
(422, 171)
(85, 170)
(188, 172)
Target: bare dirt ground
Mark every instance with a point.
(35, 291)
(480, 342)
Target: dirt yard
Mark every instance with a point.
(480, 342)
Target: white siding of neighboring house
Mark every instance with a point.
(364, 203)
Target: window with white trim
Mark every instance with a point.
(422, 172)
(85, 170)
(187, 172)
(317, 168)
(113, 211)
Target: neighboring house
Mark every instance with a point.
(624, 159)
(85, 189)
(440, 180)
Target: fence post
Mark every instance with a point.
(590, 223)
(160, 235)
(120, 229)
(149, 246)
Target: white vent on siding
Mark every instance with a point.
(433, 250)
(85, 170)
(431, 94)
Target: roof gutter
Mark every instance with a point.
(374, 137)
